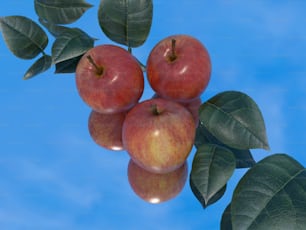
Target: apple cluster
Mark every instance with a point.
(158, 133)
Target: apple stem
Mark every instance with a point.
(99, 70)
(155, 110)
(173, 53)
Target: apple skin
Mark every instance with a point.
(158, 134)
(184, 78)
(106, 129)
(156, 188)
(119, 86)
(192, 106)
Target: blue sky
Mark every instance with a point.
(53, 176)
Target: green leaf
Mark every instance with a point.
(25, 38)
(217, 196)
(244, 158)
(71, 44)
(54, 29)
(127, 22)
(271, 195)
(235, 120)
(68, 66)
(40, 66)
(60, 11)
(226, 221)
(212, 167)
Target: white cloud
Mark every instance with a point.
(23, 218)
(48, 180)
(50, 193)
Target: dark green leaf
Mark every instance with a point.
(226, 221)
(54, 29)
(212, 167)
(244, 158)
(126, 22)
(25, 38)
(271, 195)
(218, 195)
(40, 66)
(200, 197)
(68, 66)
(60, 11)
(235, 120)
(71, 44)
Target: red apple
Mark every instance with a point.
(192, 106)
(158, 134)
(106, 129)
(179, 68)
(109, 79)
(156, 188)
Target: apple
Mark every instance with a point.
(109, 79)
(158, 134)
(192, 106)
(156, 188)
(179, 68)
(106, 129)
